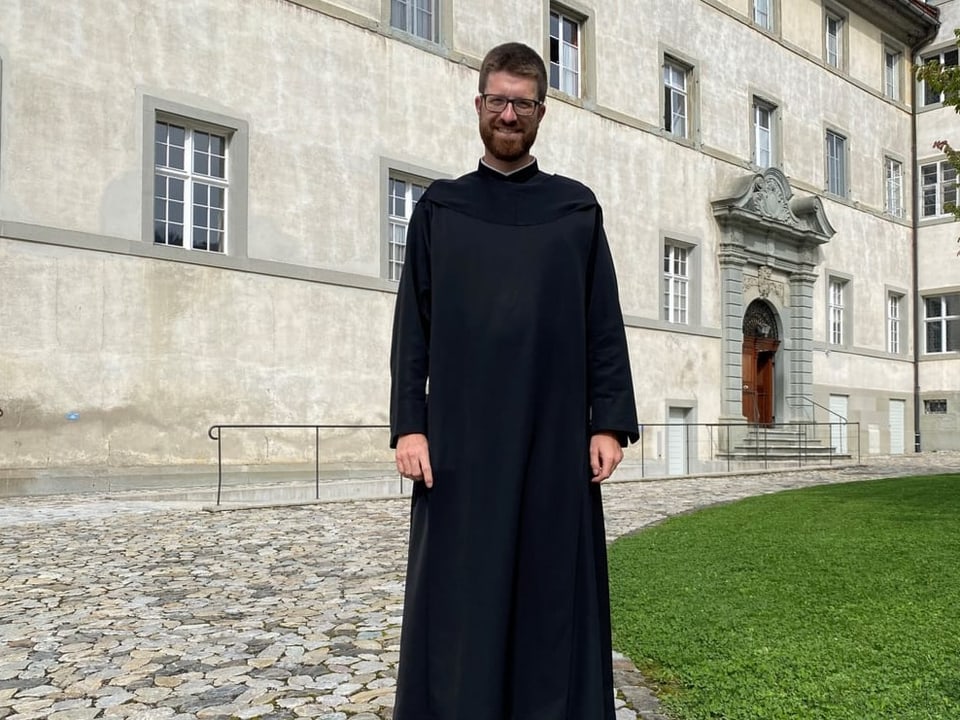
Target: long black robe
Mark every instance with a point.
(508, 303)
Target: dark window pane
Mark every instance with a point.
(216, 219)
(554, 75)
(176, 212)
(177, 135)
(216, 197)
(929, 173)
(201, 141)
(216, 240)
(175, 159)
(217, 166)
(159, 233)
(200, 192)
(159, 154)
(950, 58)
(933, 337)
(201, 163)
(159, 186)
(175, 189)
(554, 50)
(932, 307)
(217, 144)
(159, 209)
(554, 26)
(953, 304)
(199, 216)
(160, 132)
(175, 235)
(199, 239)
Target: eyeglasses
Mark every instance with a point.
(521, 106)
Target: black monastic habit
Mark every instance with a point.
(508, 303)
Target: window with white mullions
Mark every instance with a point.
(676, 283)
(893, 185)
(892, 60)
(565, 48)
(836, 163)
(763, 133)
(675, 105)
(417, 17)
(893, 322)
(938, 188)
(947, 58)
(402, 196)
(763, 13)
(942, 323)
(836, 309)
(190, 181)
(834, 40)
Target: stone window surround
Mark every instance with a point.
(671, 55)
(390, 167)
(904, 319)
(774, 26)
(694, 283)
(443, 24)
(904, 183)
(837, 12)
(891, 47)
(585, 15)
(237, 132)
(776, 126)
(846, 280)
(845, 179)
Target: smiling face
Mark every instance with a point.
(506, 136)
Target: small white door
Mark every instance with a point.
(838, 420)
(897, 410)
(677, 441)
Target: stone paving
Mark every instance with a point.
(113, 607)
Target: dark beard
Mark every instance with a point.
(508, 150)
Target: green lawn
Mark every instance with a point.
(839, 602)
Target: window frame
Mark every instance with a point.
(391, 169)
(691, 246)
(940, 189)
(843, 158)
(892, 79)
(236, 132)
(896, 323)
(946, 321)
(893, 186)
(442, 20)
(839, 328)
(564, 15)
(941, 56)
(690, 69)
(773, 15)
(760, 101)
(835, 14)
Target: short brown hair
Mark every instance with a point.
(516, 59)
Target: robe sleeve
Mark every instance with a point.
(410, 348)
(612, 404)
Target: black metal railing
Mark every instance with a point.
(214, 433)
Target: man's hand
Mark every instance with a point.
(413, 458)
(605, 455)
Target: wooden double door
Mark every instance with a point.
(759, 363)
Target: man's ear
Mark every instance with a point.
(477, 102)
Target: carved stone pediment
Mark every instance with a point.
(764, 203)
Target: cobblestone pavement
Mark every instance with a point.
(112, 607)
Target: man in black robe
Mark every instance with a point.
(508, 304)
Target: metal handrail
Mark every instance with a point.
(274, 426)
(817, 405)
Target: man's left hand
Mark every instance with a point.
(605, 455)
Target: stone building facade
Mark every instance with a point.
(203, 204)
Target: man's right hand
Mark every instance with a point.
(413, 458)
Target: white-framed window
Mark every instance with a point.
(676, 283)
(947, 58)
(764, 133)
(403, 193)
(566, 46)
(833, 39)
(941, 318)
(836, 151)
(837, 311)
(763, 13)
(938, 188)
(676, 99)
(893, 186)
(417, 17)
(892, 64)
(894, 303)
(190, 186)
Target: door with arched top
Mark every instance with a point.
(760, 345)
